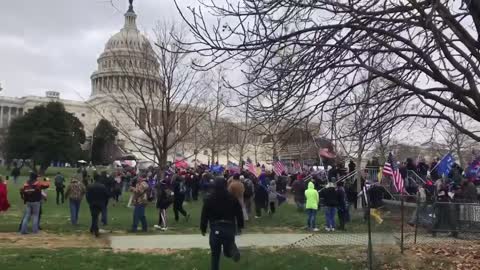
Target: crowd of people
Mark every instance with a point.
(257, 195)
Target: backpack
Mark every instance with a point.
(248, 189)
(59, 181)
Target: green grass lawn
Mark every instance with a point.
(55, 218)
(80, 259)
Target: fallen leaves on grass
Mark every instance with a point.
(465, 256)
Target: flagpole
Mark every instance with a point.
(318, 150)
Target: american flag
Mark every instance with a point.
(251, 167)
(297, 166)
(391, 169)
(279, 168)
(232, 167)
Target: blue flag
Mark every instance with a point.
(446, 164)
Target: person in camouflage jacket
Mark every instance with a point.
(75, 192)
(140, 201)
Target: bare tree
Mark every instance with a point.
(153, 96)
(213, 132)
(455, 141)
(430, 57)
(357, 121)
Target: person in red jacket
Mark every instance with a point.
(4, 204)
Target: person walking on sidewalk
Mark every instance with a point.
(223, 213)
(311, 206)
(60, 188)
(97, 197)
(140, 201)
(74, 193)
(179, 197)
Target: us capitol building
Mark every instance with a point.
(126, 51)
(128, 56)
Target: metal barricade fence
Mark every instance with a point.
(455, 217)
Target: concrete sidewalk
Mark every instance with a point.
(189, 241)
(269, 240)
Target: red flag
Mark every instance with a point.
(326, 153)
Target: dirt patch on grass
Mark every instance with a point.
(155, 251)
(52, 241)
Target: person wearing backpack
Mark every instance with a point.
(179, 190)
(75, 192)
(164, 200)
(60, 188)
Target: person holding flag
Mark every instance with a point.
(391, 169)
(444, 167)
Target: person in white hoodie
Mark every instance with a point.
(272, 197)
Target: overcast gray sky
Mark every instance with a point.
(54, 44)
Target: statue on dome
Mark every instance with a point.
(131, 2)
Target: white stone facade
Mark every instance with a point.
(127, 52)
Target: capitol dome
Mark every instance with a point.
(127, 55)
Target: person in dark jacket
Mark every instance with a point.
(434, 170)
(298, 189)
(224, 214)
(282, 183)
(108, 183)
(97, 197)
(330, 200)
(261, 199)
(342, 208)
(332, 174)
(15, 173)
(445, 212)
(195, 186)
(375, 199)
(179, 190)
(164, 200)
(60, 188)
(422, 169)
(31, 194)
(351, 166)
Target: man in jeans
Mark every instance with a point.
(75, 192)
(224, 214)
(97, 197)
(312, 198)
(330, 200)
(139, 201)
(31, 194)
